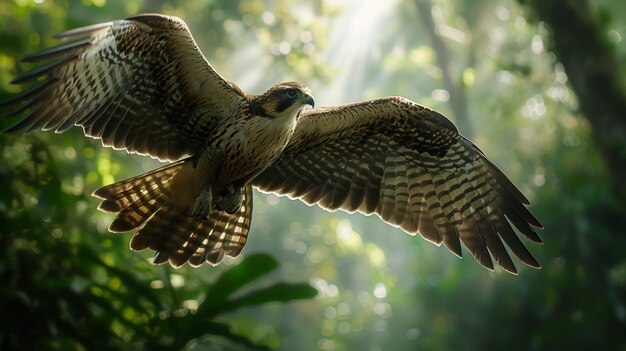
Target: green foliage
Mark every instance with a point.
(63, 290)
(68, 284)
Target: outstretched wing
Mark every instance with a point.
(409, 165)
(140, 84)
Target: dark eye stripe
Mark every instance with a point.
(283, 104)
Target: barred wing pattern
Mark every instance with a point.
(144, 203)
(408, 165)
(139, 84)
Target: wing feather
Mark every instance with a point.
(409, 165)
(139, 84)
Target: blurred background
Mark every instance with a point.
(538, 85)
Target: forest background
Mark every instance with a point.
(537, 84)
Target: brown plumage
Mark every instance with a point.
(142, 85)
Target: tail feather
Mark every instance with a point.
(120, 195)
(144, 202)
(138, 212)
(228, 234)
(179, 238)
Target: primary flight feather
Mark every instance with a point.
(141, 84)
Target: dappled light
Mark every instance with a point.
(309, 279)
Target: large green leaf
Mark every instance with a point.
(280, 292)
(220, 301)
(200, 329)
(248, 270)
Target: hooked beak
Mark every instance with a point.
(309, 100)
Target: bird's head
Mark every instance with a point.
(283, 100)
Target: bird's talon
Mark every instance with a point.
(231, 202)
(202, 206)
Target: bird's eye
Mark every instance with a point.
(292, 93)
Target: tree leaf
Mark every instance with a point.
(250, 269)
(280, 292)
(222, 330)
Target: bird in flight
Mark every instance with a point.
(142, 85)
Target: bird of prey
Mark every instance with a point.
(141, 84)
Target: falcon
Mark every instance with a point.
(142, 85)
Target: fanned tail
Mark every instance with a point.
(148, 186)
(148, 204)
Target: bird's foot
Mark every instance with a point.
(231, 202)
(202, 207)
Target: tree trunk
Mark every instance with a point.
(455, 88)
(581, 45)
